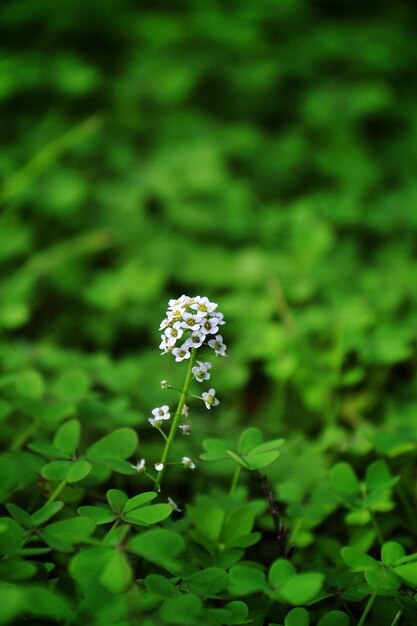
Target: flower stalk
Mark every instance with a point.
(177, 417)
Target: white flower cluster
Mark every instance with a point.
(189, 323)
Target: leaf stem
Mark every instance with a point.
(397, 618)
(24, 435)
(370, 602)
(177, 417)
(231, 493)
(57, 491)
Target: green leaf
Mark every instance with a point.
(258, 461)
(161, 586)
(117, 574)
(243, 541)
(57, 470)
(30, 384)
(54, 542)
(18, 514)
(117, 500)
(234, 612)
(89, 564)
(98, 514)
(11, 535)
(139, 500)
(159, 546)
(216, 449)
(239, 524)
(120, 444)
(407, 572)
(237, 459)
(208, 520)
(48, 450)
(377, 475)
(249, 439)
(72, 385)
(358, 561)
(13, 570)
(73, 530)
(67, 437)
(42, 602)
(297, 617)
(344, 480)
(391, 553)
(281, 571)
(207, 582)
(184, 609)
(79, 470)
(148, 514)
(268, 446)
(245, 580)
(334, 618)
(302, 589)
(10, 602)
(46, 512)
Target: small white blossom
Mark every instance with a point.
(159, 467)
(173, 333)
(155, 422)
(165, 384)
(191, 321)
(185, 410)
(197, 339)
(219, 317)
(173, 505)
(203, 305)
(209, 398)
(181, 354)
(188, 463)
(201, 371)
(140, 466)
(186, 429)
(218, 346)
(161, 412)
(210, 326)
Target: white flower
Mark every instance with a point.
(185, 410)
(165, 384)
(173, 333)
(164, 345)
(218, 345)
(191, 321)
(181, 354)
(210, 325)
(173, 505)
(159, 466)
(203, 305)
(188, 463)
(209, 398)
(219, 317)
(186, 429)
(196, 339)
(201, 371)
(140, 466)
(155, 422)
(162, 412)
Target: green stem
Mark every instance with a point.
(397, 618)
(177, 417)
(229, 500)
(57, 491)
(24, 435)
(407, 506)
(377, 528)
(370, 602)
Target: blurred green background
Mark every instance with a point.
(260, 153)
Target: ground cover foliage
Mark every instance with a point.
(262, 154)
